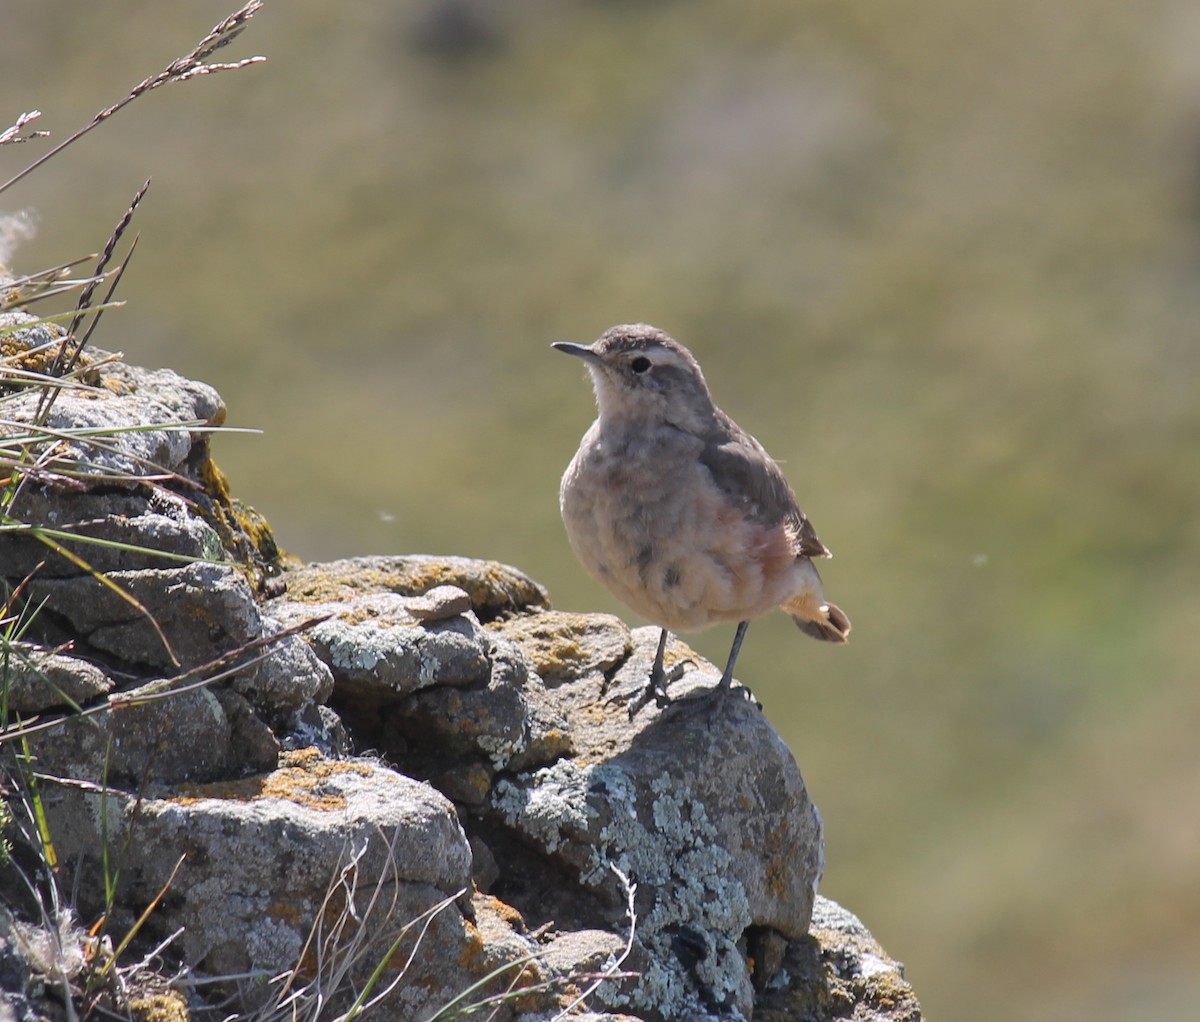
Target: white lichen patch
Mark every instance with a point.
(363, 648)
(501, 750)
(679, 855)
(552, 808)
(272, 944)
(665, 841)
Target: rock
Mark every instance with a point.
(252, 864)
(127, 400)
(508, 724)
(719, 835)
(185, 737)
(127, 461)
(152, 534)
(494, 589)
(408, 758)
(569, 647)
(838, 972)
(41, 681)
(376, 649)
(253, 745)
(156, 618)
(288, 678)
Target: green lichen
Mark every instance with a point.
(244, 534)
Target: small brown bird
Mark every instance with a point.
(679, 511)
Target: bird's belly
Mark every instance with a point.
(675, 549)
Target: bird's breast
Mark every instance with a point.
(646, 519)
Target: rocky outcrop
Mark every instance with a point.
(306, 771)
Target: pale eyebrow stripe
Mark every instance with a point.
(664, 356)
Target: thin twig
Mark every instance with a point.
(141, 920)
(613, 970)
(107, 302)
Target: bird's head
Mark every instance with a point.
(643, 376)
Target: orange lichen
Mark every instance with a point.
(504, 910)
(297, 780)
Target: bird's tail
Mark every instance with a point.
(820, 620)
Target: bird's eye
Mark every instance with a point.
(640, 364)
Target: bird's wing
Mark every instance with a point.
(744, 471)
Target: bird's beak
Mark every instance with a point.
(582, 351)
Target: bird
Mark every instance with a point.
(681, 513)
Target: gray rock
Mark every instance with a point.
(289, 678)
(202, 610)
(494, 589)
(378, 650)
(511, 723)
(185, 737)
(126, 484)
(258, 855)
(719, 835)
(837, 972)
(153, 532)
(38, 681)
(239, 800)
(126, 408)
(439, 604)
(253, 746)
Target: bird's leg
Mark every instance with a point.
(712, 701)
(656, 669)
(658, 680)
(726, 681)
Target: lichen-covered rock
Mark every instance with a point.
(719, 835)
(504, 813)
(156, 619)
(494, 589)
(183, 738)
(125, 407)
(288, 677)
(250, 864)
(838, 972)
(377, 647)
(124, 459)
(569, 647)
(539, 752)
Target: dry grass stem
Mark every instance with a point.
(70, 349)
(222, 667)
(12, 135)
(191, 65)
(613, 969)
(341, 943)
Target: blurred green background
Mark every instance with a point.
(943, 258)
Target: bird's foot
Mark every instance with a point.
(712, 701)
(655, 688)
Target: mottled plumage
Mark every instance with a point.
(678, 510)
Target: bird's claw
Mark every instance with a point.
(655, 688)
(713, 700)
